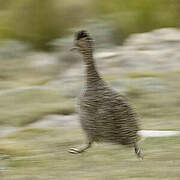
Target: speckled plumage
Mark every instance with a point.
(105, 115)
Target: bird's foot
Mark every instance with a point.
(80, 149)
(75, 151)
(139, 154)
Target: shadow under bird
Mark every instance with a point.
(105, 115)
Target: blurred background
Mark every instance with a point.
(137, 53)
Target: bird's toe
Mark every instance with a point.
(74, 151)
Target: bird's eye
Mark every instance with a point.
(81, 34)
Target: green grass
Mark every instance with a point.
(159, 111)
(40, 22)
(135, 16)
(50, 20)
(25, 106)
(27, 101)
(41, 154)
(16, 73)
(143, 74)
(103, 161)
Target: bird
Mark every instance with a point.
(104, 114)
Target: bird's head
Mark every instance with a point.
(83, 42)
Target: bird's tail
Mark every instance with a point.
(140, 138)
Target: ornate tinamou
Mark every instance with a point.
(105, 115)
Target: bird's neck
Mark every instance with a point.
(91, 73)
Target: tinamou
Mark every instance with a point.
(105, 115)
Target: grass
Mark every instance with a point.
(25, 106)
(136, 16)
(19, 72)
(104, 161)
(143, 74)
(50, 20)
(133, 16)
(27, 100)
(41, 154)
(13, 148)
(160, 114)
(135, 74)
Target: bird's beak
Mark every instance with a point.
(74, 48)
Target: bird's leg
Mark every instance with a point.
(80, 149)
(138, 151)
